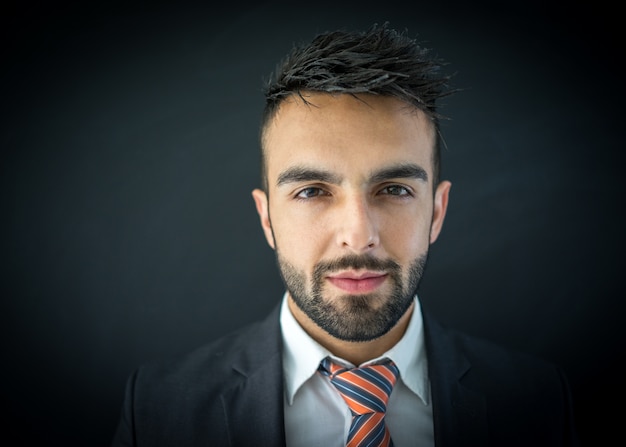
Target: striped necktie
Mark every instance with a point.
(366, 391)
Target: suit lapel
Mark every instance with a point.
(459, 413)
(253, 405)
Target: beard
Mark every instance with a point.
(354, 318)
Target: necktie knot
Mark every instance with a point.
(366, 390)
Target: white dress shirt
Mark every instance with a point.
(315, 413)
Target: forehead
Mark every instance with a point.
(347, 131)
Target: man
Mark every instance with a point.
(351, 202)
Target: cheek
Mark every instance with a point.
(406, 239)
(301, 242)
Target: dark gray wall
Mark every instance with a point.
(129, 152)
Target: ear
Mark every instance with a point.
(439, 209)
(262, 207)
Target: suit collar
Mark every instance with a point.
(459, 413)
(253, 404)
(255, 397)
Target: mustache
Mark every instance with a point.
(356, 262)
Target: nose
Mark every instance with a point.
(357, 226)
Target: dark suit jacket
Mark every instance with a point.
(230, 393)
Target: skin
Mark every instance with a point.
(336, 192)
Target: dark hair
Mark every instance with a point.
(379, 61)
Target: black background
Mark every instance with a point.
(129, 150)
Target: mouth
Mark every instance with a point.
(357, 282)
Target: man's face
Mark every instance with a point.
(350, 208)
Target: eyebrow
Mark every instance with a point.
(303, 174)
(298, 174)
(408, 170)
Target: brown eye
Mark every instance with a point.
(396, 190)
(308, 193)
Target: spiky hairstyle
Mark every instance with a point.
(379, 61)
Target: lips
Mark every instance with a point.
(355, 283)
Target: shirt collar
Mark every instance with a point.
(302, 355)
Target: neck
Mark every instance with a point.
(356, 353)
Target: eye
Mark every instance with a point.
(396, 190)
(310, 193)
